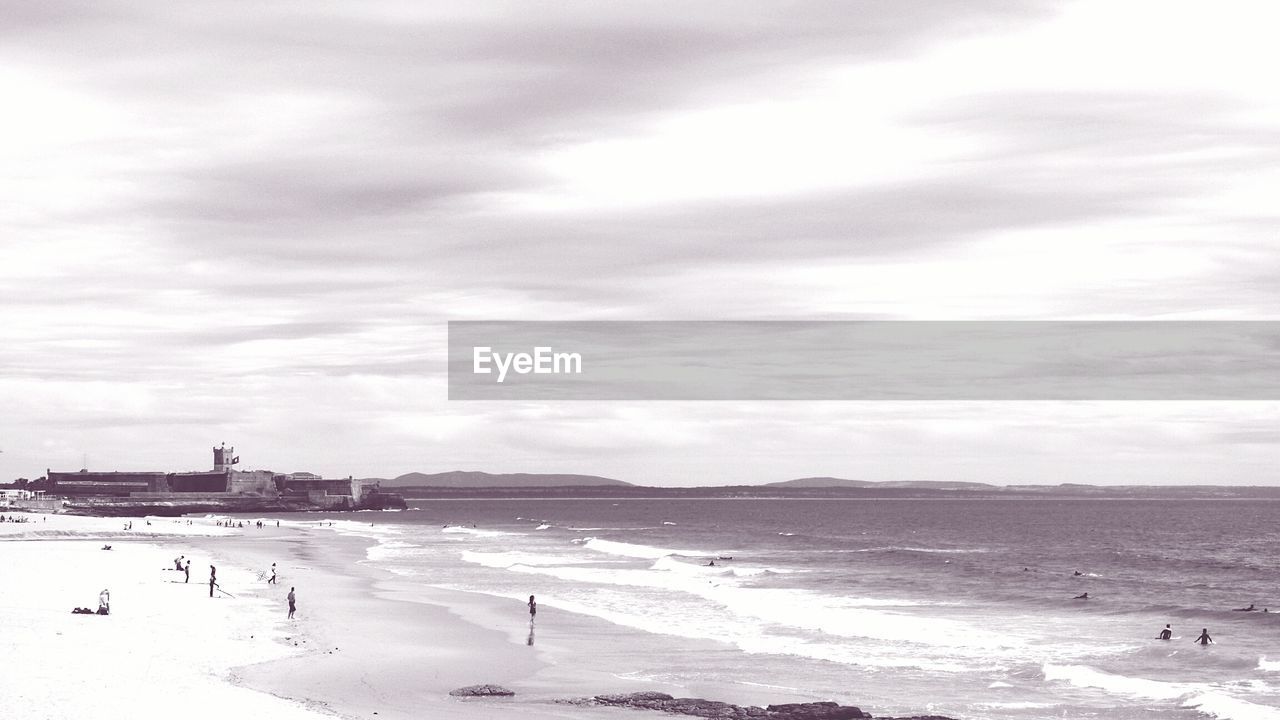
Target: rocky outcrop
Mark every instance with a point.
(726, 711)
(482, 691)
(717, 710)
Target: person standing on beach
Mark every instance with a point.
(292, 606)
(104, 602)
(533, 608)
(187, 572)
(1204, 638)
(272, 581)
(213, 579)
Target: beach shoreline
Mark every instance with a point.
(427, 641)
(364, 643)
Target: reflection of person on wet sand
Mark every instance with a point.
(529, 641)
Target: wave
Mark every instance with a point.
(1200, 697)
(1137, 688)
(504, 560)
(934, 551)
(1266, 665)
(392, 550)
(612, 547)
(670, 564)
(477, 532)
(1226, 707)
(887, 621)
(543, 526)
(711, 623)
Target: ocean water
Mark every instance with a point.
(962, 607)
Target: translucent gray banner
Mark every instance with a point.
(864, 360)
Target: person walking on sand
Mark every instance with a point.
(1204, 638)
(187, 572)
(213, 579)
(533, 608)
(292, 602)
(1166, 633)
(272, 581)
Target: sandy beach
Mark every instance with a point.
(358, 647)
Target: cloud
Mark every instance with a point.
(263, 215)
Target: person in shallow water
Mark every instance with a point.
(1166, 633)
(533, 608)
(1204, 638)
(1081, 596)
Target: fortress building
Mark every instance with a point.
(221, 484)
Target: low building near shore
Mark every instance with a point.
(222, 486)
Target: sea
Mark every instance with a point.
(962, 607)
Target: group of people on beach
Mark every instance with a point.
(14, 519)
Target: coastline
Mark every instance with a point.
(398, 648)
(366, 642)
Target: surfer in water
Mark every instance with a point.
(1081, 596)
(1166, 633)
(1251, 608)
(1204, 638)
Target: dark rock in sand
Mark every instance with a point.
(482, 691)
(726, 711)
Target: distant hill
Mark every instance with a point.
(833, 482)
(474, 479)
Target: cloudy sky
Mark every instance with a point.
(250, 222)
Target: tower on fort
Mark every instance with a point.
(223, 458)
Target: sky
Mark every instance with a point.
(246, 223)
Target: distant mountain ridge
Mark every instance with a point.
(834, 482)
(477, 479)
(459, 483)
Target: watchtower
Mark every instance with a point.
(223, 458)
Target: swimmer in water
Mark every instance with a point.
(1204, 638)
(1081, 596)
(1078, 573)
(1166, 633)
